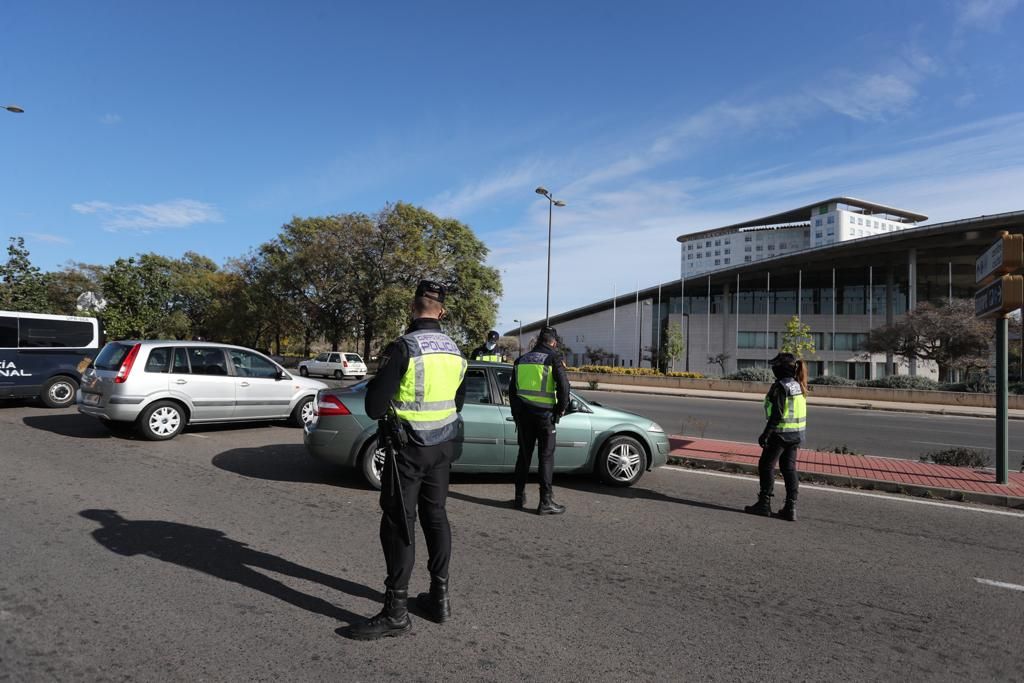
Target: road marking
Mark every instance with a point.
(896, 498)
(964, 445)
(1000, 584)
(198, 436)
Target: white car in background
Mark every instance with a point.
(336, 364)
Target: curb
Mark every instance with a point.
(860, 406)
(1012, 502)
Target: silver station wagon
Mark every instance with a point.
(160, 386)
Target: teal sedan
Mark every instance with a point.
(616, 446)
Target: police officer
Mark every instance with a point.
(489, 350)
(420, 378)
(538, 395)
(785, 408)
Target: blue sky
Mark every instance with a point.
(195, 125)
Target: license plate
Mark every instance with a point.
(92, 399)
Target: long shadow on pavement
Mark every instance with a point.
(285, 462)
(637, 492)
(212, 552)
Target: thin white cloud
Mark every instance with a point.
(47, 237)
(478, 193)
(178, 213)
(869, 97)
(986, 15)
(110, 119)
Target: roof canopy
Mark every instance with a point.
(805, 213)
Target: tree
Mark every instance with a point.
(674, 345)
(138, 292)
(948, 335)
(719, 360)
(598, 356)
(797, 339)
(22, 285)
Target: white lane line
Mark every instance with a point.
(1001, 584)
(964, 445)
(847, 492)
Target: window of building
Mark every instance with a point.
(689, 247)
(727, 261)
(747, 259)
(699, 255)
(747, 248)
(756, 340)
(860, 221)
(718, 243)
(771, 247)
(831, 219)
(760, 247)
(727, 251)
(689, 257)
(852, 220)
(817, 222)
(849, 341)
(718, 252)
(707, 243)
(748, 238)
(718, 261)
(817, 235)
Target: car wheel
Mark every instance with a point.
(303, 371)
(359, 377)
(303, 413)
(621, 461)
(372, 463)
(338, 374)
(59, 392)
(161, 421)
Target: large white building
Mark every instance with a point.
(864, 269)
(834, 220)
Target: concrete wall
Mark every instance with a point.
(948, 398)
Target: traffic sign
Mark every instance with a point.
(999, 298)
(1005, 256)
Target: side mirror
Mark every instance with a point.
(281, 374)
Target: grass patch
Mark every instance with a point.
(958, 457)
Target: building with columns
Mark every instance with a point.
(841, 288)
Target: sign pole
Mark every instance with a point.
(1002, 417)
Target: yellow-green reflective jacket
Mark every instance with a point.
(425, 401)
(794, 408)
(535, 380)
(490, 357)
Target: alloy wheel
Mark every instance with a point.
(624, 462)
(164, 421)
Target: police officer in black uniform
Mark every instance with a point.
(418, 390)
(539, 396)
(489, 351)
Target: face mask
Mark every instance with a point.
(490, 346)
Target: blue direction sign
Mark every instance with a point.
(999, 298)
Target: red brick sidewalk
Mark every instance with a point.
(863, 470)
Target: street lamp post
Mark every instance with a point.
(687, 341)
(552, 202)
(520, 342)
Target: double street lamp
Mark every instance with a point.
(13, 108)
(552, 202)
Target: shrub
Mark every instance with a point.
(639, 372)
(688, 375)
(752, 375)
(832, 381)
(841, 450)
(958, 457)
(901, 382)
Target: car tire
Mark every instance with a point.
(59, 392)
(302, 414)
(303, 371)
(371, 464)
(622, 461)
(162, 421)
(338, 374)
(358, 377)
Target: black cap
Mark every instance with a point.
(493, 336)
(431, 290)
(783, 359)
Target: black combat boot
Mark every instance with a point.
(548, 506)
(519, 502)
(762, 507)
(393, 620)
(788, 511)
(436, 603)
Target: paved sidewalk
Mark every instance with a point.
(863, 471)
(964, 411)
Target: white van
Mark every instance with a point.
(334, 364)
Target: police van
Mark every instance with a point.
(44, 355)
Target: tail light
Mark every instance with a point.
(330, 404)
(126, 365)
(344, 363)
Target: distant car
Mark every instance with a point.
(334, 364)
(43, 355)
(616, 446)
(160, 386)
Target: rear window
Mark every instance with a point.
(112, 356)
(158, 359)
(8, 332)
(353, 358)
(42, 333)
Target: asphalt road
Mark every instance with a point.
(870, 432)
(228, 554)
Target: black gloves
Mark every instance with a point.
(762, 440)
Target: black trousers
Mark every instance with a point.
(535, 431)
(783, 453)
(423, 479)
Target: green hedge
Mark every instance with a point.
(752, 375)
(640, 372)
